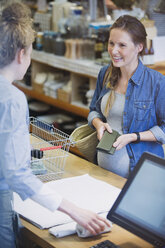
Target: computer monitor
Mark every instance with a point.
(140, 207)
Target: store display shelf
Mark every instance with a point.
(80, 66)
(159, 66)
(80, 71)
(80, 110)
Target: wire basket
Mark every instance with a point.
(50, 148)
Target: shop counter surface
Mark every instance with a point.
(76, 166)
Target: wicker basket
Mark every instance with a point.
(86, 141)
(37, 87)
(64, 95)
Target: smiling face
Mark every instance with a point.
(122, 50)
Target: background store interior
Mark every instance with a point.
(71, 47)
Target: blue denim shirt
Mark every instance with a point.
(144, 109)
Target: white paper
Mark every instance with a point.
(85, 191)
(63, 230)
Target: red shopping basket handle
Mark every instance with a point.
(50, 148)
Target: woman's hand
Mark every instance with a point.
(124, 139)
(101, 127)
(86, 218)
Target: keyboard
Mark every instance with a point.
(105, 244)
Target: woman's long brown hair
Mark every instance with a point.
(138, 34)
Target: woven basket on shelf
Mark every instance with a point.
(86, 141)
(38, 87)
(63, 95)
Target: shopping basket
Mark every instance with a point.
(49, 150)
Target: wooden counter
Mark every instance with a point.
(76, 166)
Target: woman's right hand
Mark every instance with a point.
(101, 127)
(85, 218)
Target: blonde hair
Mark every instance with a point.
(16, 31)
(112, 80)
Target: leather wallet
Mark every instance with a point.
(106, 143)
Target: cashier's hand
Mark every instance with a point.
(86, 218)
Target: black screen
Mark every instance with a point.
(143, 202)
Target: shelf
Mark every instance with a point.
(78, 110)
(159, 66)
(80, 66)
(83, 67)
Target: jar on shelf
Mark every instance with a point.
(76, 24)
(151, 53)
(39, 41)
(99, 45)
(48, 41)
(59, 46)
(88, 49)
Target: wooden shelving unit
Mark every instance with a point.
(159, 66)
(78, 68)
(77, 110)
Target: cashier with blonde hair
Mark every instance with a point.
(16, 37)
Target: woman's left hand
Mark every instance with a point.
(124, 139)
